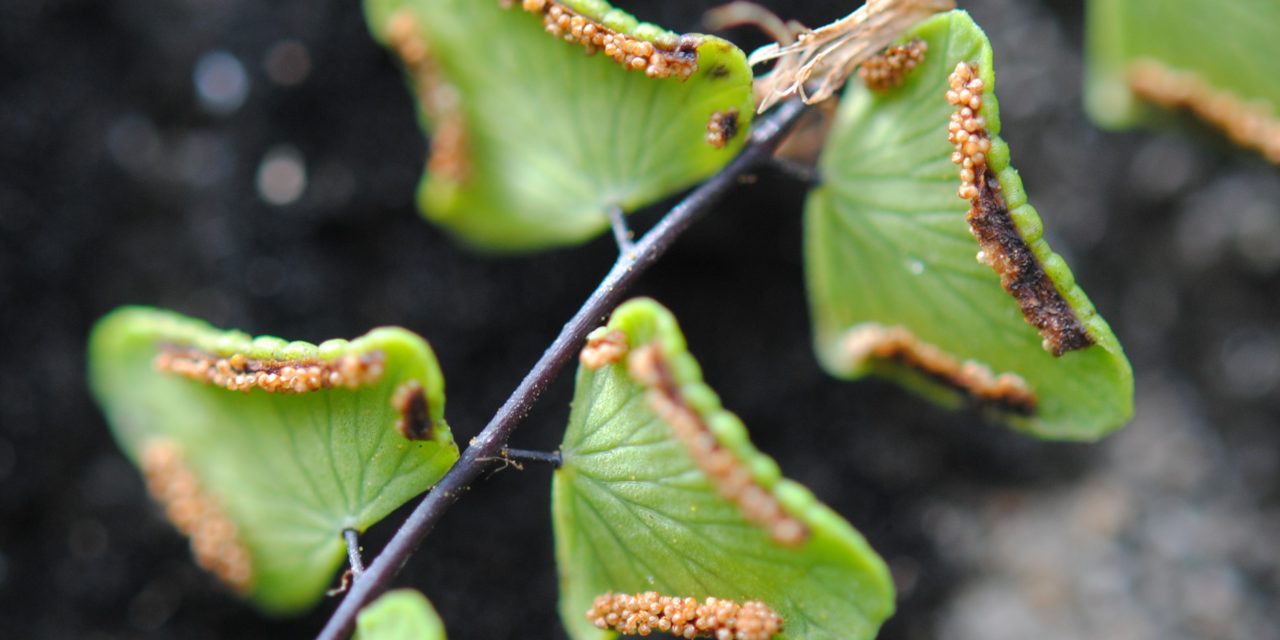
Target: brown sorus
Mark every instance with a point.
(603, 348)
(887, 69)
(239, 372)
(198, 515)
(1006, 391)
(1003, 247)
(729, 475)
(449, 157)
(632, 53)
(718, 618)
(1250, 124)
(722, 127)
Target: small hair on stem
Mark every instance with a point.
(520, 456)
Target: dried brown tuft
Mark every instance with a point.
(238, 372)
(680, 60)
(645, 613)
(1253, 125)
(731, 478)
(816, 63)
(1003, 247)
(214, 540)
(603, 348)
(1007, 391)
(722, 127)
(887, 69)
(410, 401)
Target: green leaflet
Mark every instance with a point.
(533, 140)
(403, 614)
(888, 247)
(635, 510)
(1232, 45)
(270, 480)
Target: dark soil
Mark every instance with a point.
(118, 184)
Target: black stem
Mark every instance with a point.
(486, 446)
(527, 455)
(808, 174)
(353, 553)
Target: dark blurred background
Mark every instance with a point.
(253, 164)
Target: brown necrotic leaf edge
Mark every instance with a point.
(410, 401)
(1020, 272)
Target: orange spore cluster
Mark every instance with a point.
(405, 38)
(239, 372)
(441, 100)
(214, 541)
(630, 52)
(730, 477)
(887, 69)
(603, 348)
(967, 129)
(1250, 124)
(718, 618)
(1007, 390)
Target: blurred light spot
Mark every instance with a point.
(288, 63)
(1212, 596)
(1237, 211)
(88, 539)
(1258, 236)
(133, 143)
(1163, 166)
(1250, 363)
(221, 82)
(1202, 224)
(203, 159)
(282, 177)
(906, 574)
(154, 605)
